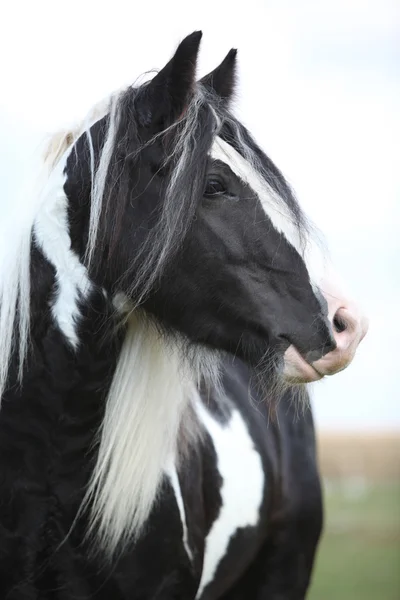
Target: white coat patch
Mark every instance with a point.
(242, 490)
(52, 234)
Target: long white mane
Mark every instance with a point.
(150, 393)
(153, 381)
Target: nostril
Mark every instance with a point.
(339, 324)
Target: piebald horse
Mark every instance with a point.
(159, 299)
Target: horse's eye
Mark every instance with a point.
(214, 188)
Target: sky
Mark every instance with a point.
(319, 88)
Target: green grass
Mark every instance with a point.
(359, 555)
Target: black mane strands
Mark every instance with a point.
(155, 288)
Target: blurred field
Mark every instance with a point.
(359, 555)
(374, 456)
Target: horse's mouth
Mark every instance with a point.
(297, 370)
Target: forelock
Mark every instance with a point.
(205, 119)
(186, 144)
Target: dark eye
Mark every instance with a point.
(214, 188)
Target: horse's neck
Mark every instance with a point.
(49, 421)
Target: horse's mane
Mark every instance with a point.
(110, 486)
(121, 500)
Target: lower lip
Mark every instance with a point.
(298, 370)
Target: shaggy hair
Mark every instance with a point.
(128, 472)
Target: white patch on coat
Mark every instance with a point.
(242, 490)
(52, 235)
(173, 477)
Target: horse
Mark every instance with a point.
(161, 315)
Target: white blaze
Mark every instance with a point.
(274, 207)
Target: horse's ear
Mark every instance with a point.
(167, 95)
(223, 79)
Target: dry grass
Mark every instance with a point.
(372, 456)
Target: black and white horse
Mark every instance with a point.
(157, 298)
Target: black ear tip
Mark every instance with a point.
(187, 51)
(189, 46)
(222, 79)
(194, 38)
(230, 59)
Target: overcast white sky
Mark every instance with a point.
(320, 90)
